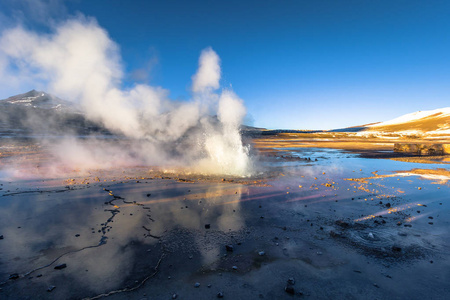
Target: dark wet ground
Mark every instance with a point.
(153, 238)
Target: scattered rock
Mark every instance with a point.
(342, 224)
(60, 267)
(396, 249)
(219, 295)
(229, 248)
(334, 234)
(51, 288)
(289, 289)
(291, 281)
(14, 276)
(197, 284)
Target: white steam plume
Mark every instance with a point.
(80, 63)
(208, 74)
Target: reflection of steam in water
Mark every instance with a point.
(49, 226)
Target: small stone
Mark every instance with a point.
(77, 235)
(148, 195)
(51, 288)
(174, 296)
(219, 295)
(207, 226)
(14, 276)
(60, 267)
(261, 253)
(197, 284)
(209, 285)
(1, 237)
(229, 248)
(234, 267)
(376, 285)
(39, 275)
(289, 289)
(291, 280)
(396, 249)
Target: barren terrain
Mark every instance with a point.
(319, 219)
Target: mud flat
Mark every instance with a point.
(315, 223)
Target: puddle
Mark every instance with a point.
(113, 234)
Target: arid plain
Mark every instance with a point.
(326, 215)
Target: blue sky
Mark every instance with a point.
(296, 64)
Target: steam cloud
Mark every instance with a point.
(80, 63)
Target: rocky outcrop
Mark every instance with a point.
(423, 149)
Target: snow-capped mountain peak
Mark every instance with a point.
(38, 99)
(441, 112)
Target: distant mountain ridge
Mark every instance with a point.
(39, 99)
(429, 122)
(435, 121)
(38, 113)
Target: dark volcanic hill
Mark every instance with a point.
(39, 113)
(39, 100)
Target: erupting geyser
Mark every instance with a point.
(80, 63)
